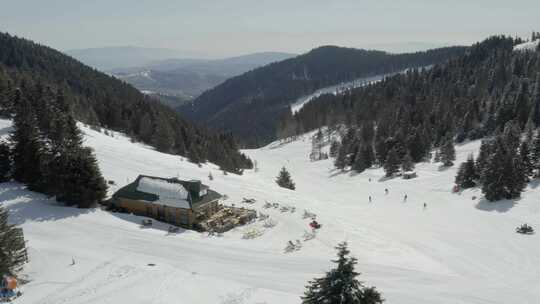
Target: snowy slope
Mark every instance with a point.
(527, 46)
(458, 250)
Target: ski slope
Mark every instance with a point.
(458, 250)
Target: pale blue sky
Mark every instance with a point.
(232, 27)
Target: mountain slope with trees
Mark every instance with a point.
(251, 104)
(491, 91)
(98, 99)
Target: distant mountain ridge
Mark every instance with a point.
(188, 78)
(101, 100)
(250, 105)
(117, 57)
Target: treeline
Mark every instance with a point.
(102, 100)
(45, 150)
(251, 104)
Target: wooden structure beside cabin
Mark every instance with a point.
(178, 202)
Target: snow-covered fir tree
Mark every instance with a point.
(391, 165)
(284, 179)
(340, 285)
(407, 164)
(467, 175)
(5, 162)
(448, 153)
(12, 246)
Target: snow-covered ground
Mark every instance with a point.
(527, 46)
(458, 250)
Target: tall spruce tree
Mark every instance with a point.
(467, 174)
(391, 165)
(12, 246)
(340, 285)
(284, 179)
(448, 153)
(502, 177)
(407, 164)
(27, 148)
(5, 162)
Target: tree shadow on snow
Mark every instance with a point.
(32, 206)
(498, 206)
(336, 172)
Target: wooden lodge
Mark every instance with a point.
(178, 202)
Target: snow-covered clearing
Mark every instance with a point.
(527, 46)
(458, 250)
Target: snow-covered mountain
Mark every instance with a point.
(460, 249)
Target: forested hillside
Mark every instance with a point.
(98, 99)
(493, 90)
(251, 104)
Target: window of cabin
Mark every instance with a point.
(203, 192)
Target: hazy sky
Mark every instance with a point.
(232, 27)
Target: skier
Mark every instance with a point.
(370, 179)
(425, 206)
(405, 198)
(370, 198)
(386, 191)
(72, 261)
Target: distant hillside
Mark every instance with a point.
(251, 104)
(108, 58)
(188, 78)
(102, 100)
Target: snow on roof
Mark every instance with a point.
(169, 193)
(527, 46)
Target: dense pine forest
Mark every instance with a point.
(98, 99)
(250, 105)
(492, 91)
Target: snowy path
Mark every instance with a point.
(458, 250)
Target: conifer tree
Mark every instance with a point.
(525, 162)
(340, 285)
(5, 162)
(12, 246)
(284, 179)
(535, 155)
(467, 174)
(391, 165)
(334, 148)
(502, 177)
(27, 149)
(448, 153)
(407, 164)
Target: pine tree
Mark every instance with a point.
(448, 153)
(5, 162)
(334, 148)
(12, 246)
(284, 179)
(391, 165)
(407, 164)
(27, 149)
(467, 174)
(525, 162)
(340, 285)
(502, 177)
(535, 155)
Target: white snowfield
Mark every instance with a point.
(457, 250)
(527, 46)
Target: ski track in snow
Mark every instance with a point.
(458, 250)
